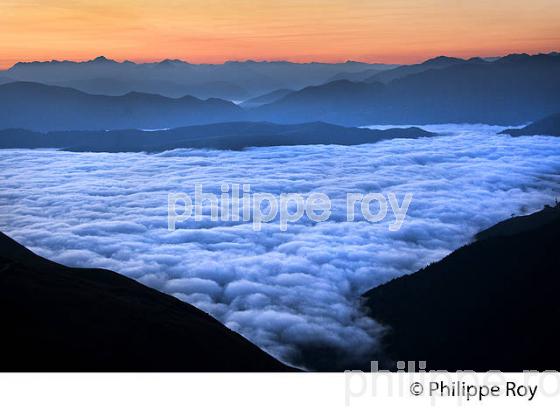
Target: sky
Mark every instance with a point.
(391, 31)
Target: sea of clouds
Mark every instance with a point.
(294, 293)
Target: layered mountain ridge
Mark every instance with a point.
(511, 90)
(220, 136)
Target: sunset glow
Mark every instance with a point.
(398, 31)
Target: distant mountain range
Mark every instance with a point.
(266, 98)
(231, 136)
(236, 80)
(44, 108)
(511, 90)
(357, 76)
(56, 318)
(549, 125)
(491, 305)
(436, 63)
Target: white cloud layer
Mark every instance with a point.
(293, 293)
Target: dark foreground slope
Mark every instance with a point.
(491, 305)
(520, 224)
(232, 136)
(55, 318)
(547, 126)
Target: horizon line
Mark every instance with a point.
(253, 60)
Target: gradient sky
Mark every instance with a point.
(397, 31)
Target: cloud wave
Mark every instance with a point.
(294, 293)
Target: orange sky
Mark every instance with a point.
(298, 30)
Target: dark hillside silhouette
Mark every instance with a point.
(56, 318)
(492, 304)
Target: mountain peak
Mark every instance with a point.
(443, 60)
(101, 59)
(170, 62)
